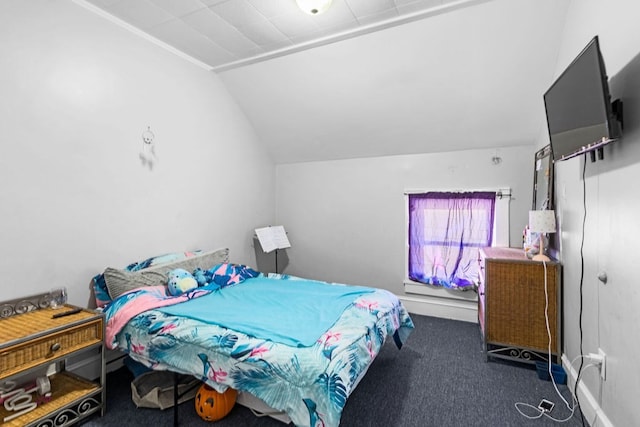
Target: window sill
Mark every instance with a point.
(417, 288)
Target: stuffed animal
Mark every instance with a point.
(200, 276)
(180, 281)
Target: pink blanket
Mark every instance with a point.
(130, 304)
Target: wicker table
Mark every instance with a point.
(513, 306)
(33, 344)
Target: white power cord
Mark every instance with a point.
(539, 412)
(571, 407)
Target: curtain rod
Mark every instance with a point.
(500, 193)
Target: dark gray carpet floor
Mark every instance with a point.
(439, 378)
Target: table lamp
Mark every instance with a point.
(542, 222)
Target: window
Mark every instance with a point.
(445, 231)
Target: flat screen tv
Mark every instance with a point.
(580, 115)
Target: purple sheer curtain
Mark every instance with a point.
(445, 232)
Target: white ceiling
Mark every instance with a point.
(369, 77)
(225, 34)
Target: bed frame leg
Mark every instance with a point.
(175, 399)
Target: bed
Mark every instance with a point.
(300, 346)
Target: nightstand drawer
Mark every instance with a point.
(35, 352)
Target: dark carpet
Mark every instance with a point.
(439, 378)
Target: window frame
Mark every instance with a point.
(501, 228)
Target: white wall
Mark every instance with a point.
(611, 312)
(77, 93)
(346, 218)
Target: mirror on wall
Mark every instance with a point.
(543, 180)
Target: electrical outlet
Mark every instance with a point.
(603, 365)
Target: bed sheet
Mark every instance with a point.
(311, 384)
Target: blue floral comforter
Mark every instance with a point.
(310, 383)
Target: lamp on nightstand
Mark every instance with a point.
(542, 222)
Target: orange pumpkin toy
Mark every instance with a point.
(213, 406)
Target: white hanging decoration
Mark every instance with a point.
(148, 153)
(496, 159)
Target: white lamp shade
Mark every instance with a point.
(314, 7)
(542, 221)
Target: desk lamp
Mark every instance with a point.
(542, 222)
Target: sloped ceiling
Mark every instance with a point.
(471, 76)
(225, 34)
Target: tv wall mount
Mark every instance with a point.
(598, 146)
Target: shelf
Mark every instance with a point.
(71, 398)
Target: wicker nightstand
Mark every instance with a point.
(33, 344)
(511, 306)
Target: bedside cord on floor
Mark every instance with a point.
(541, 412)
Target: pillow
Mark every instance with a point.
(121, 281)
(101, 290)
(227, 274)
(203, 261)
(161, 259)
(100, 285)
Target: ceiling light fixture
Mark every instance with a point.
(314, 7)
